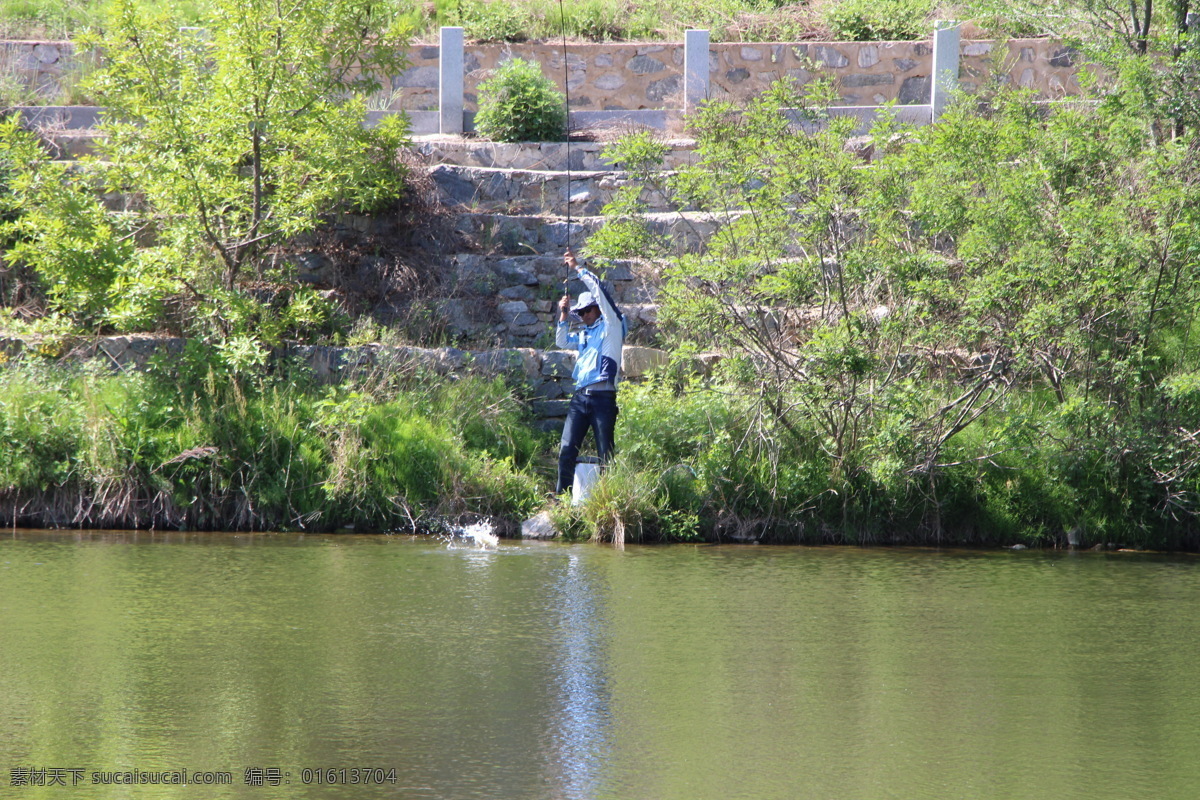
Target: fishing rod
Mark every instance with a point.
(562, 22)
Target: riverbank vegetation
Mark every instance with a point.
(984, 333)
(189, 445)
(990, 331)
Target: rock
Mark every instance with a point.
(610, 82)
(831, 56)
(558, 363)
(514, 274)
(914, 91)
(512, 309)
(46, 53)
(660, 90)
(859, 81)
(550, 408)
(707, 362)
(417, 77)
(645, 65)
(861, 146)
(459, 317)
(538, 527)
(550, 390)
(619, 271)
(449, 359)
(453, 187)
(516, 360)
(636, 362)
(1063, 57)
(518, 293)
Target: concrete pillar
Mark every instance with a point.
(945, 66)
(450, 81)
(695, 69)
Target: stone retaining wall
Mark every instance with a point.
(622, 77)
(630, 76)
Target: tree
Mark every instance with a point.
(248, 131)
(227, 140)
(883, 312)
(1147, 52)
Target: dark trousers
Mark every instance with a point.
(596, 411)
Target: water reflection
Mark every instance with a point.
(583, 724)
(548, 672)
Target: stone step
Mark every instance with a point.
(684, 231)
(532, 278)
(522, 191)
(514, 299)
(583, 156)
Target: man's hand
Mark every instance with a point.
(564, 307)
(569, 260)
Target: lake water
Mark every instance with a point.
(575, 671)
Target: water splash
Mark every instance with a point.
(478, 535)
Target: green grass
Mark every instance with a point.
(590, 20)
(60, 19)
(184, 448)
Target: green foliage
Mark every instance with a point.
(626, 232)
(893, 320)
(1145, 51)
(227, 142)
(519, 104)
(247, 134)
(58, 227)
(486, 21)
(879, 20)
(196, 448)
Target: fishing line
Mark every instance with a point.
(562, 22)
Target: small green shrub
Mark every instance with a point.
(520, 104)
(878, 20)
(494, 22)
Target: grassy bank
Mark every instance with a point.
(593, 20)
(182, 447)
(713, 463)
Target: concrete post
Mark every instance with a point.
(945, 66)
(450, 81)
(695, 69)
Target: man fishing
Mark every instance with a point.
(597, 370)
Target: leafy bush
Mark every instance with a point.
(494, 22)
(520, 104)
(878, 20)
(192, 447)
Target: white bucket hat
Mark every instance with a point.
(585, 300)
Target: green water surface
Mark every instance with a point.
(540, 671)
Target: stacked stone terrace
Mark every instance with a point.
(512, 203)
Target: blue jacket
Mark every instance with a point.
(599, 346)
